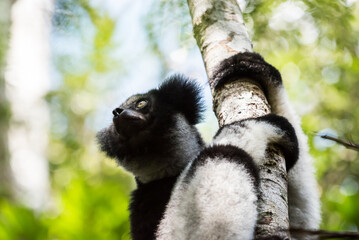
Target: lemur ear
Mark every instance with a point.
(185, 95)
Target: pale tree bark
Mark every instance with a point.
(220, 33)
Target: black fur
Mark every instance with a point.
(147, 138)
(289, 144)
(225, 153)
(147, 206)
(176, 95)
(272, 238)
(246, 65)
(185, 95)
(155, 140)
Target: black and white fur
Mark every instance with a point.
(303, 195)
(216, 196)
(155, 142)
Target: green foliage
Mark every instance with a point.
(93, 208)
(17, 222)
(89, 194)
(5, 111)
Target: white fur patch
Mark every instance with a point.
(303, 195)
(219, 202)
(253, 137)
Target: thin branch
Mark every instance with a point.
(346, 144)
(323, 234)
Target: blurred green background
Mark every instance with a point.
(104, 51)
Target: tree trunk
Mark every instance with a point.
(27, 82)
(220, 33)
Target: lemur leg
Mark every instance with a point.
(216, 195)
(303, 196)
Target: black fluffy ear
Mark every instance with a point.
(185, 95)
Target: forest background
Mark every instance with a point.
(66, 64)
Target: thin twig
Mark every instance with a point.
(323, 234)
(346, 144)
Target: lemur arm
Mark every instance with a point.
(303, 196)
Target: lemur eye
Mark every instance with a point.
(141, 104)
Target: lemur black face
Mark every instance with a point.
(132, 116)
(151, 123)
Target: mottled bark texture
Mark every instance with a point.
(220, 33)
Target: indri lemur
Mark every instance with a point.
(154, 137)
(189, 191)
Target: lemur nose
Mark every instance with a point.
(117, 112)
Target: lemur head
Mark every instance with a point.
(153, 134)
